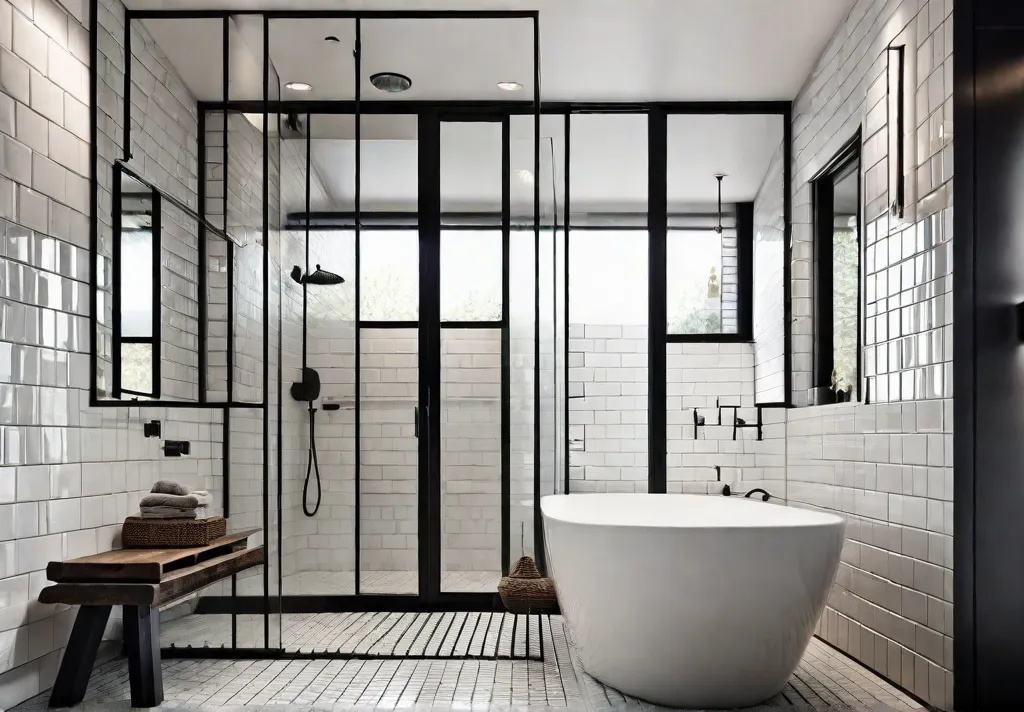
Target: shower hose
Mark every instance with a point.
(312, 468)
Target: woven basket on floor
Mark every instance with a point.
(524, 590)
(139, 533)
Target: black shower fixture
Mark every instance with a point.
(719, 177)
(319, 277)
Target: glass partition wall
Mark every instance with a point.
(412, 303)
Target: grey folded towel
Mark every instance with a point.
(168, 487)
(167, 513)
(192, 500)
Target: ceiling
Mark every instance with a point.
(591, 50)
(608, 171)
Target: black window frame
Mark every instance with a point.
(117, 338)
(846, 160)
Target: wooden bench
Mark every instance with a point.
(139, 580)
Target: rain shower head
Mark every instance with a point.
(320, 277)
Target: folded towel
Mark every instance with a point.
(188, 501)
(168, 487)
(159, 512)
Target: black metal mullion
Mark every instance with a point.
(787, 254)
(745, 270)
(506, 345)
(357, 57)
(126, 139)
(657, 308)
(157, 276)
(429, 361)
(824, 356)
(266, 322)
(201, 275)
(538, 528)
(115, 287)
(565, 287)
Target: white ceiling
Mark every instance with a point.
(608, 153)
(591, 50)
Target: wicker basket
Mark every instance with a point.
(524, 590)
(139, 533)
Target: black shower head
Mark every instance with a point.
(323, 277)
(320, 277)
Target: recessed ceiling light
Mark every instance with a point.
(525, 176)
(390, 82)
(510, 86)
(298, 86)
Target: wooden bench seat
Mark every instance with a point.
(139, 580)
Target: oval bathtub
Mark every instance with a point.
(690, 600)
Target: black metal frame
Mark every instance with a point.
(656, 221)
(844, 163)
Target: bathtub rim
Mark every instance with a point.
(822, 519)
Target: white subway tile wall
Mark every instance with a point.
(69, 474)
(887, 467)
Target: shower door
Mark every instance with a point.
(464, 366)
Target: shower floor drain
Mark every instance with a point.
(428, 636)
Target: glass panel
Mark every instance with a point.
(845, 279)
(136, 264)
(608, 360)
(389, 275)
(694, 286)
(470, 459)
(389, 461)
(471, 275)
(521, 375)
(137, 368)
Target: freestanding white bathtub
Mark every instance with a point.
(690, 600)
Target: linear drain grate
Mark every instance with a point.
(425, 636)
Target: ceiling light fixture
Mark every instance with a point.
(719, 177)
(510, 86)
(390, 82)
(525, 176)
(298, 86)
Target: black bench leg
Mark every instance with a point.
(79, 656)
(142, 643)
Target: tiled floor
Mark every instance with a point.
(335, 583)
(826, 681)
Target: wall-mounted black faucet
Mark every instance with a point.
(176, 448)
(698, 422)
(727, 492)
(738, 422)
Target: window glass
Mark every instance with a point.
(137, 368)
(694, 281)
(136, 281)
(389, 275)
(845, 277)
(471, 275)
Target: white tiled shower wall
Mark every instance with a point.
(887, 467)
(69, 474)
(608, 415)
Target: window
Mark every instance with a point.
(837, 277)
(700, 301)
(136, 286)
